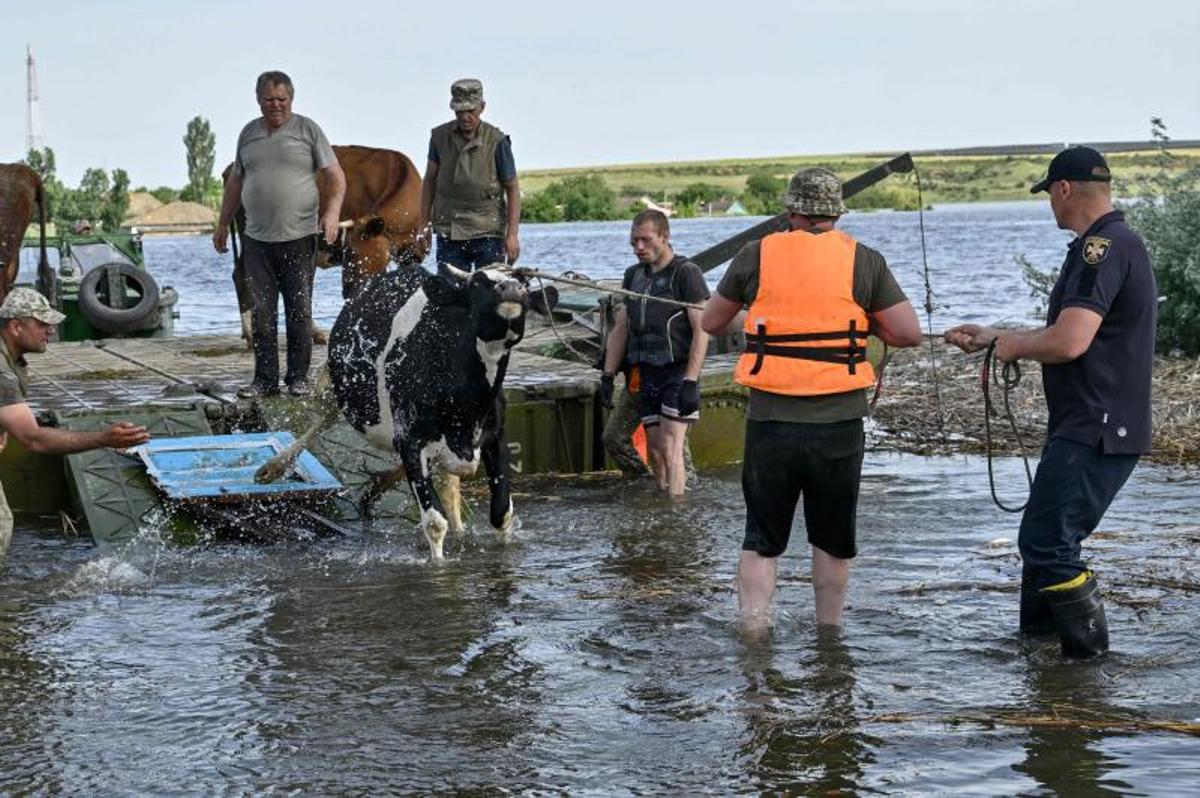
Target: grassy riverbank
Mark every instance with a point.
(944, 177)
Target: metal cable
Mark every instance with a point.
(937, 392)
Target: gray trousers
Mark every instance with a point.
(274, 269)
(617, 438)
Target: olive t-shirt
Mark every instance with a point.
(874, 289)
(13, 381)
(279, 183)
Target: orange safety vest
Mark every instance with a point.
(805, 334)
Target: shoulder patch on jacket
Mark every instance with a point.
(1095, 249)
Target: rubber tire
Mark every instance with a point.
(117, 320)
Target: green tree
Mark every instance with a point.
(572, 199)
(42, 162)
(692, 198)
(117, 205)
(588, 198)
(165, 194)
(764, 194)
(91, 198)
(201, 146)
(1169, 220)
(541, 207)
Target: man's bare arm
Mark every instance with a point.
(229, 205)
(334, 180)
(699, 346)
(512, 198)
(897, 325)
(720, 315)
(614, 350)
(18, 420)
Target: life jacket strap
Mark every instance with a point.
(850, 355)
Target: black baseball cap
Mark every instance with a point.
(1075, 163)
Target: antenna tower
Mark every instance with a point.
(33, 127)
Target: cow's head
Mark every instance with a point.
(497, 301)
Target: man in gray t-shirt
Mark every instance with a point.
(274, 177)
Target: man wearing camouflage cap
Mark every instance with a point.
(470, 198)
(26, 320)
(813, 293)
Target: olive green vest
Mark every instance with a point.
(469, 202)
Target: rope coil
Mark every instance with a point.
(1008, 378)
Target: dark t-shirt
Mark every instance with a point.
(688, 280)
(1104, 394)
(680, 280)
(506, 167)
(874, 289)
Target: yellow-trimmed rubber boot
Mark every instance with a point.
(1036, 616)
(1078, 612)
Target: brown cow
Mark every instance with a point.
(20, 192)
(383, 202)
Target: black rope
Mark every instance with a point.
(1008, 379)
(937, 391)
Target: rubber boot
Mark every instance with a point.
(1036, 616)
(1079, 619)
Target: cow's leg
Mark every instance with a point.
(449, 490)
(494, 451)
(433, 521)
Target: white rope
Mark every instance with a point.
(525, 271)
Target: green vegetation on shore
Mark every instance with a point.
(1166, 212)
(758, 182)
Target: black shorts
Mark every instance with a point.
(658, 396)
(822, 462)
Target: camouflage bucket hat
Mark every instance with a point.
(815, 192)
(25, 303)
(466, 95)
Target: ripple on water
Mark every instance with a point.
(598, 651)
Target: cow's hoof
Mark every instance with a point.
(434, 525)
(504, 528)
(319, 337)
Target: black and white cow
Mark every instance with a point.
(417, 364)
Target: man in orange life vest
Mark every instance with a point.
(813, 294)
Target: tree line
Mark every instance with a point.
(102, 198)
(589, 198)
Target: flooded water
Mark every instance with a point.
(598, 652)
(970, 250)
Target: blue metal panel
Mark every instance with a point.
(222, 467)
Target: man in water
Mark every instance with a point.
(274, 177)
(1096, 351)
(26, 320)
(470, 196)
(814, 293)
(663, 341)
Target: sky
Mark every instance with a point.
(579, 84)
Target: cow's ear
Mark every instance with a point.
(444, 289)
(542, 300)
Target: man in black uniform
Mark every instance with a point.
(1096, 351)
(664, 341)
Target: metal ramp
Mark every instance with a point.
(113, 490)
